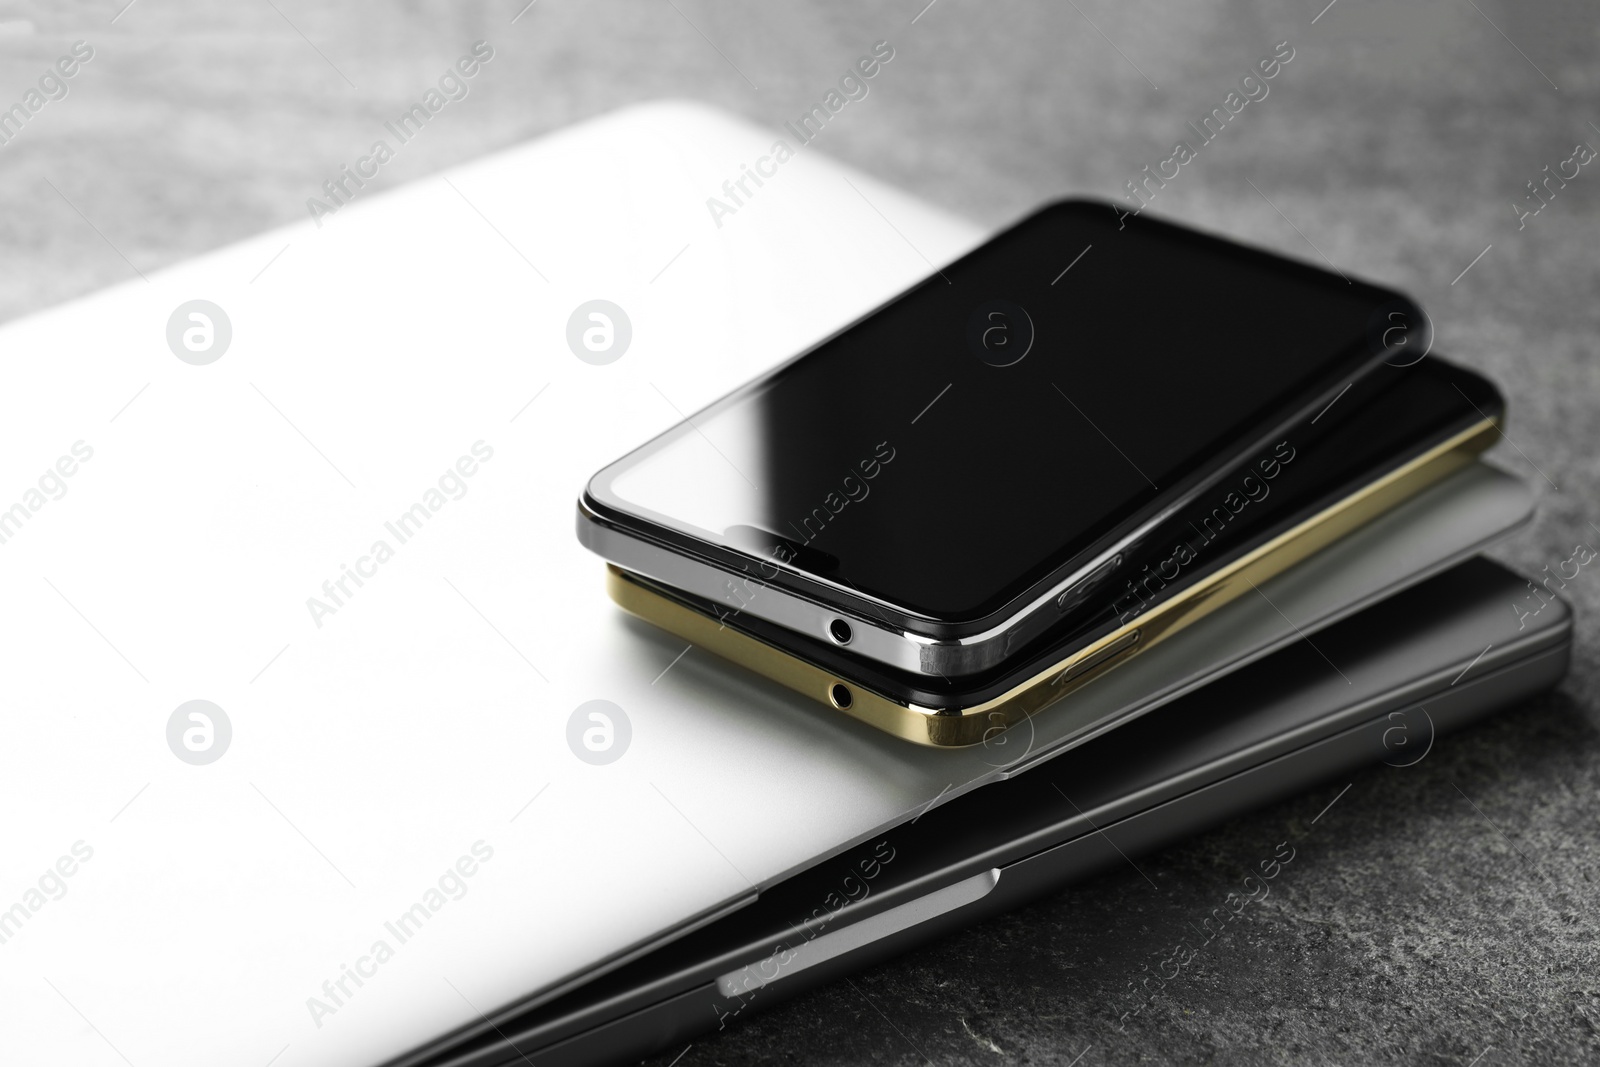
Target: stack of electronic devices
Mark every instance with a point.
(1053, 512)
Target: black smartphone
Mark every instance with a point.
(940, 481)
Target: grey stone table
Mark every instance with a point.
(1414, 927)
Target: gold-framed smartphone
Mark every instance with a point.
(1409, 459)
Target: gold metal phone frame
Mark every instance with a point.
(959, 727)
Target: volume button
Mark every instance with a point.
(1080, 590)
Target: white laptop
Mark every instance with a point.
(383, 822)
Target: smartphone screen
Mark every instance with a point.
(983, 431)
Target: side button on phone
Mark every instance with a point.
(1080, 590)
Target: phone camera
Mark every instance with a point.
(839, 630)
(840, 696)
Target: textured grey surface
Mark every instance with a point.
(1414, 926)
